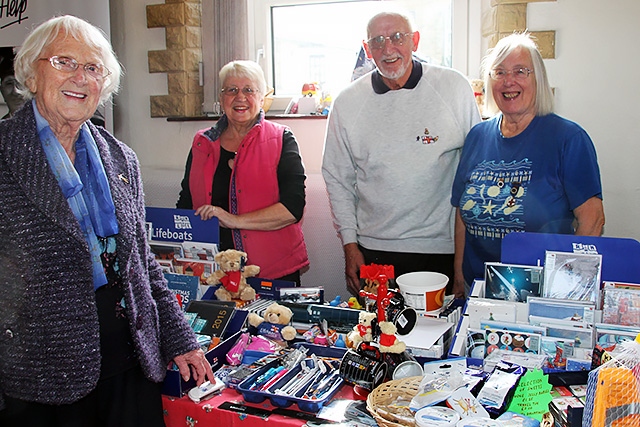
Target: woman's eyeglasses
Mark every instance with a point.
(232, 91)
(69, 65)
(396, 39)
(517, 73)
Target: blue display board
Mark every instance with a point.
(620, 256)
(181, 225)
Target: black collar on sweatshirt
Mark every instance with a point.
(380, 87)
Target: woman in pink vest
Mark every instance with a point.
(247, 172)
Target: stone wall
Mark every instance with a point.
(502, 17)
(181, 58)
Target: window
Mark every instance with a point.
(315, 41)
(303, 41)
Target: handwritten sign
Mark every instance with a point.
(19, 17)
(12, 12)
(532, 395)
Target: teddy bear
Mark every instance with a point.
(232, 274)
(389, 343)
(363, 331)
(275, 323)
(478, 90)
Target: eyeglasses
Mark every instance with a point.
(69, 65)
(396, 39)
(233, 91)
(518, 73)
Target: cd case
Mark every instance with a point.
(572, 276)
(511, 282)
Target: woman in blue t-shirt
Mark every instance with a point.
(525, 169)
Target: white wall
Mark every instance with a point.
(593, 74)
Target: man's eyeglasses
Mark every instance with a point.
(233, 91)
(396, 39)
(69, 65)
(518, 73)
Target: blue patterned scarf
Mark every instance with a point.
(86, 188)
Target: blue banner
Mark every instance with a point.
(180, 225)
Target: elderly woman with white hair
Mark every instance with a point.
(247, 172)
(88, 323)
(525, 169)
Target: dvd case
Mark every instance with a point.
(572, 276)
(511, 282)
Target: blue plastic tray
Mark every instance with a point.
(304, 404)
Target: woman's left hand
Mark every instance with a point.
(224, 218)
(194, 363)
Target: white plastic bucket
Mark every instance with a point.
(423, 290)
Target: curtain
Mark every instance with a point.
(224, 39)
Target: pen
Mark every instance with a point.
(274, 379)
(319, 387)
(265, 377)
(326, 388)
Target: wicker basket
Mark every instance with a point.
(391, 391)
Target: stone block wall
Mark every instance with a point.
(180, 60)
(502, 17)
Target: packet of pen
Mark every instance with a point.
(497, 392)
(440, 380)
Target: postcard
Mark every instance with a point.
(511, 282)
(538, 321)
(608, 336)
(501, 339)
(563, 309)
(166, 250)
(513, 326)
(622, 285)
(621, 306)
(194, 267)
(489, 309)
(185, 287)
(583, 337)
(572, 276)
(557, 351)
(575, 364)
(167, 265)
(198, 250)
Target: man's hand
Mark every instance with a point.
(194, 363)
(458, 288)
(353, 259)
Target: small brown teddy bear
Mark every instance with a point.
(232, 274)
(478, 90)
(389, 343)
(363, 331)
(275, 323)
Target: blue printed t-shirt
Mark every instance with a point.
(529, 182)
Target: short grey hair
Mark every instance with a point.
(544, 102)
(396, 14)
(244, 68)
(44, 34)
